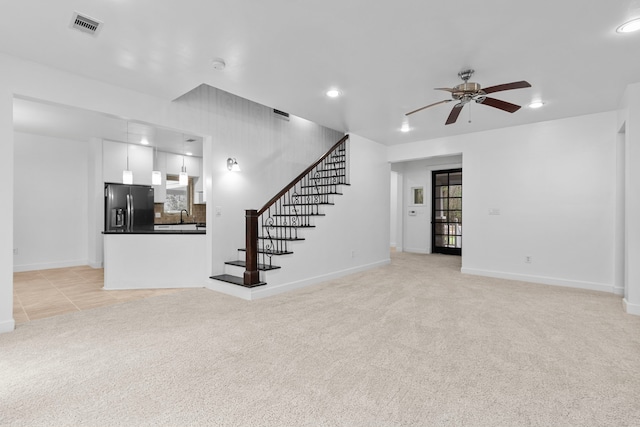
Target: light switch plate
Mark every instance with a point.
(158, 215)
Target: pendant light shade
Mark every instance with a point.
(183, 178)
(127, 177)
(156, 175)
(127, 174)
(156, 178)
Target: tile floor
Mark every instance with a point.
(46, 293)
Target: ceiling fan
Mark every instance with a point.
(467, 92)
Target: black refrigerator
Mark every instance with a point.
(128, 208)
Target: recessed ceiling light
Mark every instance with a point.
(188, 153)
(629, 26)
(405, 127)
(536, 104)
(333, 93)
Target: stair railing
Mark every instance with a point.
(270, 229)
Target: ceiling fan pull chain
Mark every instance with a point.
(469, 112)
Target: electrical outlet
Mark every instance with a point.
(527, 259)
(158, 215)
(353, 253)
(15, 251)
(218, 210)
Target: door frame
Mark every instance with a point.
(439, 249)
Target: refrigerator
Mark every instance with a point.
(128, 208)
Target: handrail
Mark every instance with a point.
(299, 177)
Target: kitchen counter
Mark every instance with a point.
(202, 231)
(155, 259)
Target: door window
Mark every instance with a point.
(447, 212)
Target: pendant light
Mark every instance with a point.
(127, 175)
(183, 178)
(156, 175)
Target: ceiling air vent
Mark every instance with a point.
(85, 24)
(281, 114)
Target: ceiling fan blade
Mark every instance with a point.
(448, 89)
(455, 112)
(430, 105)
(507, 86)
(501, 105)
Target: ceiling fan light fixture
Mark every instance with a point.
(536, 104)
(629, 26)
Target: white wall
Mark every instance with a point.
(354, 234)
(51, 203)
(269, 150)
(393, 211)
(416, 228)
(6, 215)
(552, 183)
(630, 117)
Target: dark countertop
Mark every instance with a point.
(197, 224)
(158, 232)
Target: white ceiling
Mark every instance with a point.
(65, 122)
(385, 56)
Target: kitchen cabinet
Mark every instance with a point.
(142, 160)
(114, 161)
(192, 164)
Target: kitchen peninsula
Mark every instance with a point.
(155, 259)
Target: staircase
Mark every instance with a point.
(271, 231)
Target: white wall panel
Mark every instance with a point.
(552, 183)
(51, 207)
(6, 215)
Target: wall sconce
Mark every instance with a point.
(232, 165)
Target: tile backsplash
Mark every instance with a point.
(198, 214)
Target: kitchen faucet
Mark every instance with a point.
(183, 210)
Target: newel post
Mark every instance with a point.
(251, 273)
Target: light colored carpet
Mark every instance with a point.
(414, 343)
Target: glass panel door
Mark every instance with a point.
(446, 216)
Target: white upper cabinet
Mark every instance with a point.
(114, 161)
(141, 164)
(142, 160)
(192, 164)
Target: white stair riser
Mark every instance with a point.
(234, 270)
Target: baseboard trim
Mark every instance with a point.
(229, 289)
(49, 265)
(578, 284)
(631, 308)
(415, 250)
(267, 291)
(618, 291)
(271, 290)
(7, 326)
